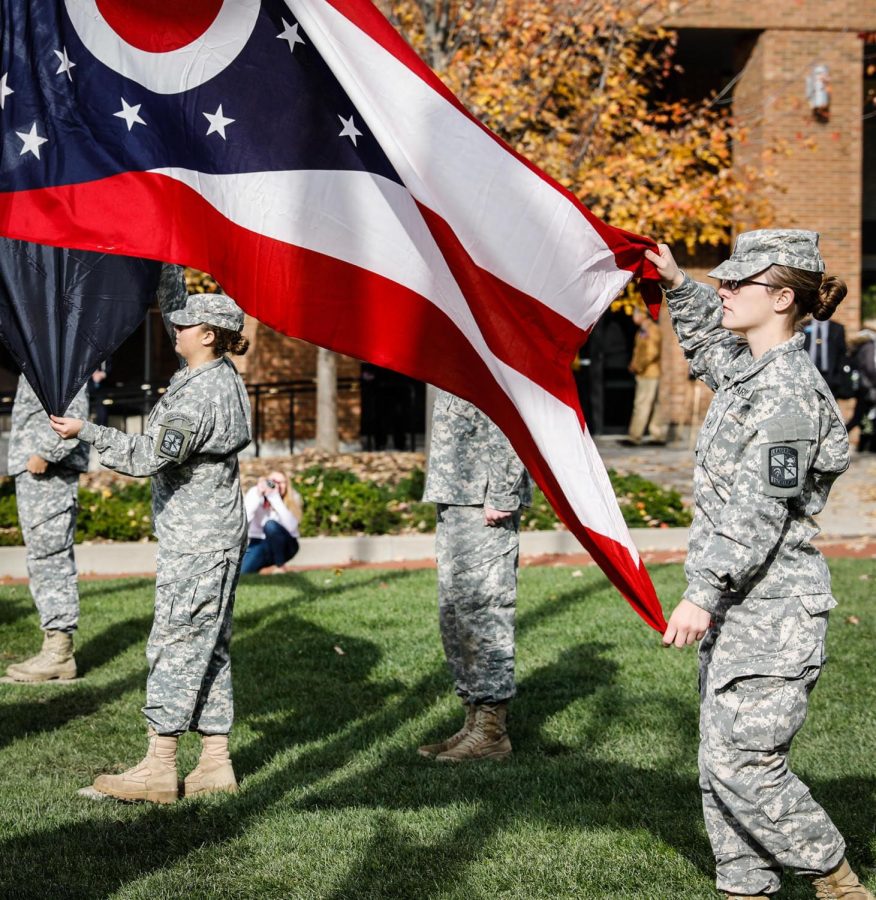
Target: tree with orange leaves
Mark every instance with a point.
(577, 86)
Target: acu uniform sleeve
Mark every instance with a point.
(710, 349)
(505, 471)
(170, 439)
(772, 475)
(53, 448)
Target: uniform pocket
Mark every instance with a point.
(817, 604)
(767, 711)
(51, 535)
(491, 542)
(193, 600)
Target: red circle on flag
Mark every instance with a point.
(156, 25)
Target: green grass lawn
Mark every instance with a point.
(599, 800)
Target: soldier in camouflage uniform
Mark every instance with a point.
(479, 486)
(759, 592)
(46, 470)
(190, 449)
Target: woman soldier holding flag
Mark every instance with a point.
(189, 449)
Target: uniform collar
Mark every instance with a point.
(185, 375)
(757, 365)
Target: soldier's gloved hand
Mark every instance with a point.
(687, 625)
(494, 516)
(36, 465)
(64, 427)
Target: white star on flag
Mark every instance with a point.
(5, 90)
(218, 121)
(290, 34)
(66, 65)
(131, 114)
(32, 141)
(349, 130)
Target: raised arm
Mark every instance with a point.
(696, 313)
(52, 447)
(170, 439)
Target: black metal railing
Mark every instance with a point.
(129, 400)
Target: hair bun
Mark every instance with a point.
(830, 295)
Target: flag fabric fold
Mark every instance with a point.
(300, 152)
(63, 312)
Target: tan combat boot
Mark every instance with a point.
(432, 750)
(487, 738)
(154, 778)
(840, 884)
(213, 773)
(55, 660)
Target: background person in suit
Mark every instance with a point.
(826, 345)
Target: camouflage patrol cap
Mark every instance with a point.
(756, 251)
(209, 309)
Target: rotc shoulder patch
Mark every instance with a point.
(785, 454)
(174, 440)
(784, 463)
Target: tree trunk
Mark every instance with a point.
(326, 400)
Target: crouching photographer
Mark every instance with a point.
(273, 511)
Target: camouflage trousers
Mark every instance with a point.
(189, 683)
(477, 593)
(47, 507)
(759, 816)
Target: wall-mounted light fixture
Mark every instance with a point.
(818, 91)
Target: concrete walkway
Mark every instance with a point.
(139, 559)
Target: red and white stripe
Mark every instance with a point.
(479, 275)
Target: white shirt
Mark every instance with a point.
(258, 512)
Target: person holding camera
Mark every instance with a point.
(273, 512)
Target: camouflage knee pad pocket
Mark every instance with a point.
(761, 712)
(192, 600)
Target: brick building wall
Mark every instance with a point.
(817, 179)
(274, 357)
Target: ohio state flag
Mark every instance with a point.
(300, 152)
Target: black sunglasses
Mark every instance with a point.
(733, 286)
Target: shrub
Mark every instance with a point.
(121, 514)
(647, 505)
(643, 504)
(338, 502)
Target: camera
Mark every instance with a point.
(271, 484)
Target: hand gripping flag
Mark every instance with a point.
(301, 152)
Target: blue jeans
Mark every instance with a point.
(277, 548)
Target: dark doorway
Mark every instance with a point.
(393, 410)
(605, 385)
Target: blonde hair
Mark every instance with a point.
(291, 498)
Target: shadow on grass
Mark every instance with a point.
(315, 711)
(45, 707)
(14, 608)
(112, 642)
